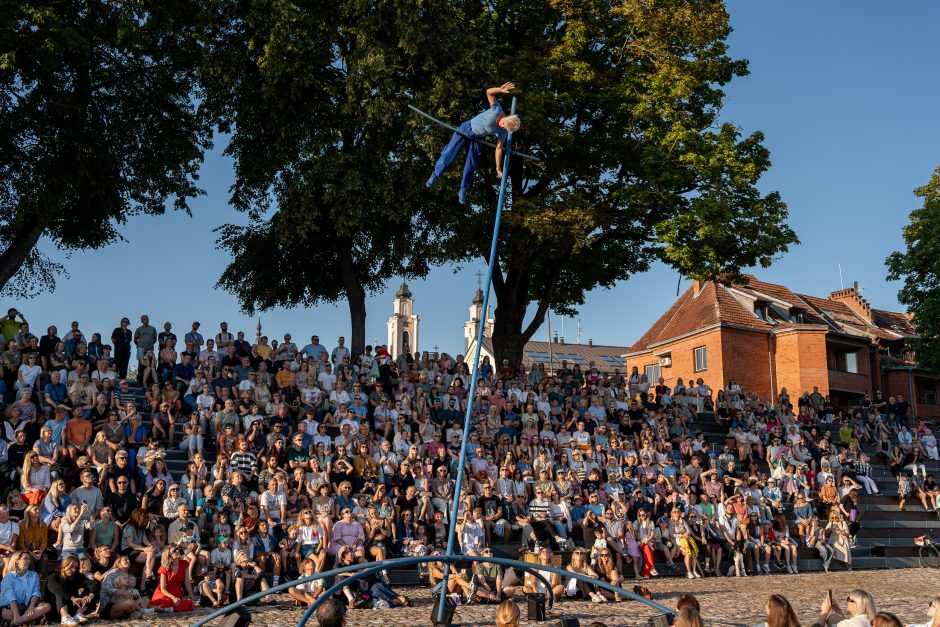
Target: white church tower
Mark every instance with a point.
(403, 324)
(472, 327)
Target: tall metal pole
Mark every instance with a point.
(452, 527)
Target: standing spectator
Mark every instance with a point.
(145, 337)
(339, 352)
(313, 349)
(223, 339)
(194, 338)
(121, 339)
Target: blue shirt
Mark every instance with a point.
(486, 123)
(312, 351)
(19, 589)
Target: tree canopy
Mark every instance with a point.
(328, 164)
(622, 101)
(919, 267)
(97, 122)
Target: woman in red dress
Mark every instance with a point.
(174, 575)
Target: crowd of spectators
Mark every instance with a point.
(298, 459)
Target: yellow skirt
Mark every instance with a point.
(688, 546)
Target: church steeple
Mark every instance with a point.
(403, 324)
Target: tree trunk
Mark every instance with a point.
(22, 241)
(356, 297)
(512, 294)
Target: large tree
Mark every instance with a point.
(621, 99)
(328, 165)
(919, 267)
(97, 122)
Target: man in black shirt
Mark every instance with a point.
(122, 501)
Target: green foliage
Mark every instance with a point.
(621, 100)
(97, 122)
(919, 267)
(328, 164)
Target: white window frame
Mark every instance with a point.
(851, 366)
(700, 355)
(653, 373)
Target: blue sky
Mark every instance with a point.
(845, 92)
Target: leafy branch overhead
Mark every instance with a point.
(622, 102)
(100, 122)
(919, 267)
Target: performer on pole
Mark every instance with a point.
(492, 121)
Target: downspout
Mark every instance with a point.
(770, 372)
(910, 392)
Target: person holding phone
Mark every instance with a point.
(859, 610)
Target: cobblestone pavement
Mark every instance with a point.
(725, 601)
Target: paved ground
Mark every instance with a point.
(725, 601)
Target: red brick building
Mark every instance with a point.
(769, 338)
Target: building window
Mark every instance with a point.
(851, 362)
(653, 373)
(701, 359)
(930, 397)
(796, 315)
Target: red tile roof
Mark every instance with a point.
(714, 304)
(717, 304)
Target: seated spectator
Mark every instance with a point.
(20, 601)
(508, 614)
(860, 610)
(331, 614)
(933, 614)
(174, 583)
(70, 592)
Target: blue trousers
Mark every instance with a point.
(458, 141)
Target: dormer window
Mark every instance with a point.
(796, 314)
(760, 309)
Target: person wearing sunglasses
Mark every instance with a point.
(859, 610)
(933, 614)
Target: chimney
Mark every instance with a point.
(696, 287)
(562, 339)
(590, 342)
(555, 339)
(854, 301)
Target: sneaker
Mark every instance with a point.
(790, 569)
(697, 575)
(689, 575)
(767, 569)
(81, 618)
(462, 196)
(69, 621)
(596, 597)
(654, 573)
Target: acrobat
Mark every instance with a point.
(492, 121)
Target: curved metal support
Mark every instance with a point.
(371, 567)
(420, 560)
(383, 566)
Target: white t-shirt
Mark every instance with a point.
(272, 502)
